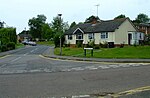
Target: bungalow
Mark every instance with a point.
(116, 31)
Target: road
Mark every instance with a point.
(27, 74)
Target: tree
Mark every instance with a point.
(47, 32)
(36, 25)
(58, 27)
(73, 24)
(142, 18)
(2, 24)
(92, 18)
(120, 16)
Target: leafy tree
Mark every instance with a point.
(59, 27)
(47, 32)
(91, 19)
(142, 18)
(2, 24)
(8, 35)
(120, 16)
(36, 24)
(73, 24)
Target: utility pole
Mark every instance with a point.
(97, 8)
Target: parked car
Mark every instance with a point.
(29, 43)
(32, 43)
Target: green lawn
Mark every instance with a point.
(48, 43)
(126, 52)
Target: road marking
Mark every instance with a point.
(16, 59)
(130, 92)
(4, 56)
(32, 51)
(36, 49)
(25, 54)
(3, 65)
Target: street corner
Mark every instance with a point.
(143, 92)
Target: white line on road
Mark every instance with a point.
(36, 49)
(16, 59)
(25, 54)
(3, 65)
(32, 51)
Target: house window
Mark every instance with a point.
(91, 36)
(69, 37)
(79, 36)
(104, 35)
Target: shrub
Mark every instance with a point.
(4, 48)
(11, 46)
(91, 43)
(79, 44)
(96, 47)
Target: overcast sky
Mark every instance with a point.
(16, 13)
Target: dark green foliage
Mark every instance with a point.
(11, 46)
(91, 44)
(91, 19)
(8, 35)
(2, 24)
(96, 47)
(73, 24)
(47, 32)
(147, 39)
(57, 40)
(36, 24)
(120, 16)
(59, 27)
(142, 18)
(3, 48)
(79, 44)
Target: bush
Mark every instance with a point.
(91, 44)
(57, 40)
(11, 46)
(79, 44)
(4, 48)
(96, 47)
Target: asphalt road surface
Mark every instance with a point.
(27, 74)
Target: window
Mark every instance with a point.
(91, 36)
(79, 36)
(104, 35)
(69, 37)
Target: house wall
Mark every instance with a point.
(73, 41)
(136, 37)
(121, 34)
(97, 38)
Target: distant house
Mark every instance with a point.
(24, 37)
(116, 31)
(144, 27)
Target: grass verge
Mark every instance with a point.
(47, 43)
(142, 52)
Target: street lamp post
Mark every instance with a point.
(60, 34)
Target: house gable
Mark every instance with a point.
(78, 31)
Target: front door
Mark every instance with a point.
(129, 39)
